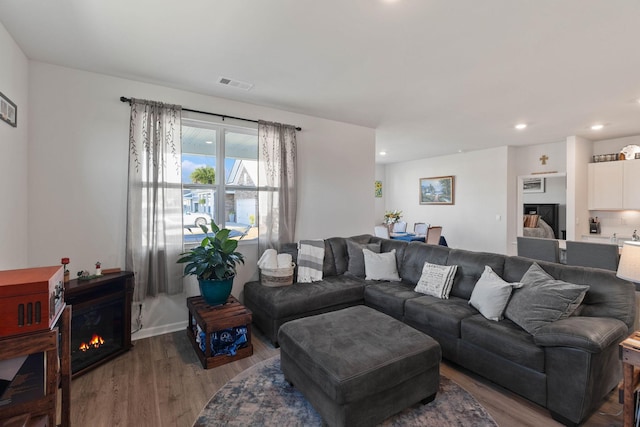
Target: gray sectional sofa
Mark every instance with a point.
(567, 366)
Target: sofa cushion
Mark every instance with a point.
(285, 301)
(389, 297)
(369, 360)
(355, 265)
(415, 255)
(505, 339)
(491, 294)
(543, 299)
(380, 266)
(427, 312)
(470, 268)
(436, 280)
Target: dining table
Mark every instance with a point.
(409, 237)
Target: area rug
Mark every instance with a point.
(260, 396)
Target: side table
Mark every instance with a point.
(216, 318)
(630, 355)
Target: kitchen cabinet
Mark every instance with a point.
(613, 185)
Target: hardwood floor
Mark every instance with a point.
(160, 382)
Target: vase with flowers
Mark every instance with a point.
(391, 217)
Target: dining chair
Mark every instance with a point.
(589, 254)
(538, 248)
(381, 231)
(420, 228)
(433, 235)
(400, 227)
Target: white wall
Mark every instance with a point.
(477, 220)
(528, 158)
(14, 168)
(78, 173)
(579, 153)
(614, 145)
(380, 201)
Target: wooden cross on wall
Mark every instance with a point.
(544, 159)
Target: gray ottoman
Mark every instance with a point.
(358, 366)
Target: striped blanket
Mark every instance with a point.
(310, 260)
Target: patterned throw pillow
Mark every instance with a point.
(436, 280)
(531, 221)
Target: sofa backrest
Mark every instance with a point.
(608, 296)
(415, 255)
(470, 268)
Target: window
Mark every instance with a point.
(219, 179)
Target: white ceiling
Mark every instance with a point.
(431, 76)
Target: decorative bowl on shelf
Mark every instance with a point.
(630, 151)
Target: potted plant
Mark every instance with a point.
(214, 264)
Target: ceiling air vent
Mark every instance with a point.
(234, 83)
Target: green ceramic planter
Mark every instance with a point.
(215, 292)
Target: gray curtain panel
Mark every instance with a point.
(277, 184)
(154, 199)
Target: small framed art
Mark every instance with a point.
(378, 189)
(533, 185)
(8, 111)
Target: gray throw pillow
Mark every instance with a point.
(491, 294)
(380, 266)
(355, 266)
(543, 300)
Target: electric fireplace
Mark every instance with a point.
(100, 319)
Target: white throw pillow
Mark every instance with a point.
(491, 294)
(380, 266)
(436, 280)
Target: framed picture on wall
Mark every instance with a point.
(439, 190)
(533, 185)
(8, 111)
(378, 189)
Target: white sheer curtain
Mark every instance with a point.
(277, 183)
(154, 199)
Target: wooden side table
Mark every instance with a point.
(54, 344)
(216, 318)
(630, 355)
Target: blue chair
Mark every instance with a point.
(381, 231)
(400, 227)
(420, 229)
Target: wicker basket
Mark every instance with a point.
(274, 277)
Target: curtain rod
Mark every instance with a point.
(224, 116)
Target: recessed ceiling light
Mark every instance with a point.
(383, 153)
(521, 126)
(597, 127)
(208, 142)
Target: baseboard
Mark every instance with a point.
(159, 330)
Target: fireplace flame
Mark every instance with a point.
(96, 341)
